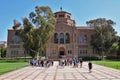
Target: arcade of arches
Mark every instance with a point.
(61, 38)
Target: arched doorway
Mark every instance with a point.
(61, 52)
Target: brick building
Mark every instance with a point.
(68, 40)
(3, 44)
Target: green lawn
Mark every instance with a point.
(112, 64)
(7, 66)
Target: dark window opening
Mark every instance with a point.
(85, 39)
(67, 38)
(56, 38)
(61, 16)
(68, 16)
(61, 38)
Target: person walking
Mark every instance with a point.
(90, 66)
(81, 61)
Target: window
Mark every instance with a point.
(61, 38)
(17, 39)
(61, 16)
(69, 52)
(68, 16)
(14, 53)
(80, 39)
(85, 39)
(83, 51)
(80, 51)
(12, 39)
(56, 38)
(86, 52)
(67, 38)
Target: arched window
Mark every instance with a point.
(61, 38)
(80, 39)
(56, 38)
(67, 38)
(85, 39)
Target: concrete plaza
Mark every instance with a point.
(67, 73)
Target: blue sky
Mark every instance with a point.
(81, 10)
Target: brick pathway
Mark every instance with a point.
(66, 73)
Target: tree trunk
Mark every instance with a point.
(102, 55)
(37, 56)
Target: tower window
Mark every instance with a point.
(55, 16)
(68, 16)
(61, 16)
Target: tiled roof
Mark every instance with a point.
(62, 12)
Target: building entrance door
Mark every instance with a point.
(61, 52)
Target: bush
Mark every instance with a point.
(86, 58)
(18, 59)
(3, 52)
(113, 57)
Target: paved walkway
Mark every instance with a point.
(66, 73)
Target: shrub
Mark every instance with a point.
(85, 58)
(113, 57)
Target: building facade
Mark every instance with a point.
(68, 40)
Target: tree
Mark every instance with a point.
(104, 34)
(37, 30)
(114, 48)
(3, 52)
(118, 52)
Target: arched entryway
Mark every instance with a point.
(61, 52)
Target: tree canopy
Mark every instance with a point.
(2, 52)
(118, 52)
(36, 30)
(104, 34)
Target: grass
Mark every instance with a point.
(107, 63)
(7, 66)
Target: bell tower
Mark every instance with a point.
(64, 17)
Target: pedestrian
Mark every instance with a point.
(76, 62)
(52, 62)
(31, 62)
(42, 63)
(90, 66)
(81, 61)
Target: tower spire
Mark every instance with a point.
(61, 8)
(61, 5)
